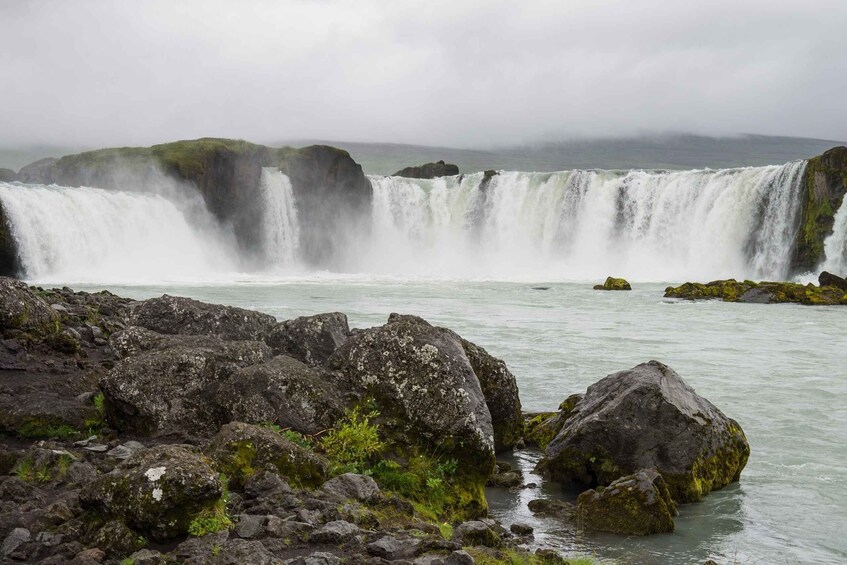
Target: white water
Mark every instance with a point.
(281, 227)
(835, 245)
(688, 225)
(88, 234)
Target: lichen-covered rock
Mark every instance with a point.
(425, 388)
(350, 486)
(283, 391)
(241, 450)
(21, 309)
(309, 339)
(117, 540)
(613, 283)
(500, 390)
(158, 491)
(476, 532)
(173, 390)
(648, 417)
(637, 504)
(44, 414)
(186, 316)
(760, 293)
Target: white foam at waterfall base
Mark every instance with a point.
(85, 234)
(281, 228)
(682, 225)
(835, 245)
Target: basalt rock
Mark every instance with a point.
(637, 504)
(828, 279)
(241, 450)
(824, 186)
(760, 293)
(648, 417)
(22, 310)
(428, 171)
(185, 316)
(310, 339)
(540, 428)
(158, 491)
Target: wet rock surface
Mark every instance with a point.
(761, 293)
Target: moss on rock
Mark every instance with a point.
(613, 283)
(763, 292)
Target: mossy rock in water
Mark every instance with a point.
(241, 450)
(541, 428)
(613, 283)
(638, 504)
(648, 417)
(759, 293)
(158, 491)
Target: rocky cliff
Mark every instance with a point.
(824, 186)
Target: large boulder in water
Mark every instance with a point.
(173, 389)
(310, 339)
(158, 491)
(186, 316)
(283, 391)
(429, 171)
(828, 279)
(426, 391)
(637, 504)
(648, 417)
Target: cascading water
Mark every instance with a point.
(87, 234)
(835, 246)
(691, 225)
(281, 228)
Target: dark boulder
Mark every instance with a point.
(648, 417)
(428, 171)
(158, 491)
(310, 339)
(828, 279)
(241, 450)
(173, 391)
(186, 316)
(540, 428)
(21, 309)
(637, 504)
(44, 414)
(350, 486)
(283, 391)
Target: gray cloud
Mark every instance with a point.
(431, 72)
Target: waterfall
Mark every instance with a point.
(835, 246)
(680, 225)
(281, 228)
(87, 234)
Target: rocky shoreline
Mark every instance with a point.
(830, 291)
(174, 431)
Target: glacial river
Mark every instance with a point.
(778, 369)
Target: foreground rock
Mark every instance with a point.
(613, 283)
(310, 339)
(759, 293)
(428, 171)
(638, 504)
(669, 428)
(158, 491)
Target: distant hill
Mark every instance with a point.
(650, 152)
(654, 152)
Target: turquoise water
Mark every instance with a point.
(777, 369)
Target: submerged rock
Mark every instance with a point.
(428, 171)
(637, 504)
(648, 417)
(759, 293)
(158, 491)
(613, 284)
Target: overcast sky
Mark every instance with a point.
(457, 73)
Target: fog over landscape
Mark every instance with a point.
(469, 74)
